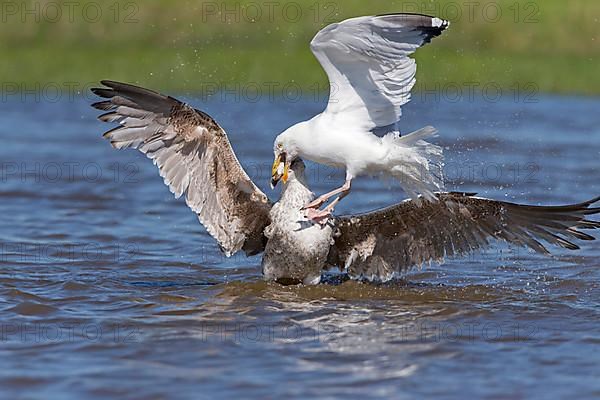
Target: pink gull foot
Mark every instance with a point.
(319, 216)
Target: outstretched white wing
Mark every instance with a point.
(368, 64)
(195, 159)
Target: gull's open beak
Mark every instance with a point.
(280, 170)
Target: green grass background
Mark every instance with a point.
(187, 46)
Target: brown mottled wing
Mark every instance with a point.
(195, 159)
(378, 244)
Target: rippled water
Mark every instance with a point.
(109, 286)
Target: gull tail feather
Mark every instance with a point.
(417, 164)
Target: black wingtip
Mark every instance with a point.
(116, 84)
(108, 133)
(592, 211)
(587, 209)
(593, 201)
(133, 96)
(586, 224)
(104, 105)
(103, 92)
(568, 245)
(580, 235)
(129, 88)
(431, 26)
(109, 116)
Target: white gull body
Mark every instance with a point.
(371, 75)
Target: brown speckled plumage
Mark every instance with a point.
(195, 159)
(392, 240)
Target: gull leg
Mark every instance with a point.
(321, 216)
(342, 191)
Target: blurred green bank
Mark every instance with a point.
(203, 46)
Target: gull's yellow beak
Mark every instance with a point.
(280, 170)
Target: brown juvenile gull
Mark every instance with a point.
(196, 160)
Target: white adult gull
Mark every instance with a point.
(371, 75)
(195, 159)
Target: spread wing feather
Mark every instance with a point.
(195, 159)
(378, 244)
(368, 64)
